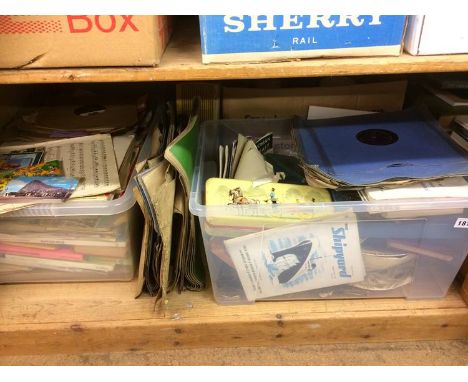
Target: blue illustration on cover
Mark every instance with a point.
(291, 261)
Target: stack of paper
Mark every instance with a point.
(46, 250)
(445, 95)
(459, 133)
(456, 187)
(169, 258)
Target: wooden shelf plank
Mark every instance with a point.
(169, 71)
(77, 318)
(182, 62)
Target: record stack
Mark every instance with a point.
(377, 150)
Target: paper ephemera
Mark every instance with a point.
(89, 158)
(456, 187)
(298, 258)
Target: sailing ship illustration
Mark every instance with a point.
(290, 261)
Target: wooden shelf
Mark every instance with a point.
(182, 62)
(89, 317)
(78, 318)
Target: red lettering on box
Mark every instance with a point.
(106, 24)
(127, 21)
(75, 23)
(97, 20)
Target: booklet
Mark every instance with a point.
(298, 258)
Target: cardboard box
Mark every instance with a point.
(78, 41)
(437, 35)
(269, 38)
(289, 102)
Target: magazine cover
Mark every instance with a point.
(297, 258)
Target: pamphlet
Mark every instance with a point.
(298, 258)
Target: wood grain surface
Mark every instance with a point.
(182, 62)
(104, 317)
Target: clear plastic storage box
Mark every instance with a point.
(72, 241)
(409, 248)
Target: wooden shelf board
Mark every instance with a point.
(182, 62)
(78, 318)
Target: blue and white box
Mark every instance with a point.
(236, 38)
